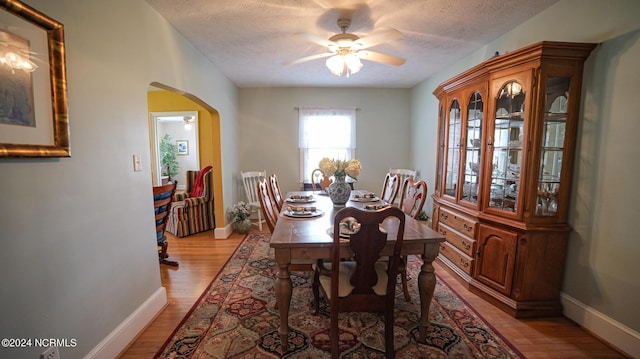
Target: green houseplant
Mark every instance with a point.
(168, 161)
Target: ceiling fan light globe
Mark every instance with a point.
(341, 65)
(353, 63)
(336, 65)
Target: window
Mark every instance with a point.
(325, 133)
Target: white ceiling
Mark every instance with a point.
(249, 40)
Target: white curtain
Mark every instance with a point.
(325, 133)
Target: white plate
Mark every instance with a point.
(364, 199)
(292, 214)
(300, 200)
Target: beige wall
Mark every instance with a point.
(269, 130)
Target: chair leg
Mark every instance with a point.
(334, 332)
(163, 255)
(315, 287)
(260, 219)
(403, 275)
(388, 338)
(405, 287)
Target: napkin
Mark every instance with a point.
(301, 209)
(366, 195)
(376, 206)
(300, 196)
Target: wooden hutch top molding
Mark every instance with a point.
(570, 51)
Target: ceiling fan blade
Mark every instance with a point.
(309, 58)
(378, 38)
(316, 39)
(380, 57)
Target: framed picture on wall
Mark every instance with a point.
(33, 87)
(183, 147)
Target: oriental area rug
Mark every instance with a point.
(235, 318)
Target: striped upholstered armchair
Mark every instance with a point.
(193, 214)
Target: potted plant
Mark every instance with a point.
(240, 213)
(423, 216)
(168, 161)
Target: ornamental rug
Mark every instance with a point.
(235, 318)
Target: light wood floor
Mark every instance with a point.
(201, 257)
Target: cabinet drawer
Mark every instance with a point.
(460, 259)
(460, 241)
(461, 224)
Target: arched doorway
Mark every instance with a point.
(161, 98)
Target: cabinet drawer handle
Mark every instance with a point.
(468, 228)
(442, 247)
(444, 216)
(443, 232)
(466, 245)
(463, 263)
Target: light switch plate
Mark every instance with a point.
(137, 163)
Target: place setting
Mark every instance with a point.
(300, 198)
(347, 227)
(376, 206)
(302, 212)
(365, 197)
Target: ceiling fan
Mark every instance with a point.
(346, 50)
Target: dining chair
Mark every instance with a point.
(276, 194)
(412, 199)
(162, 197)
(250, 180)
(404, 174)
(317, 176)
(267, 204)
(390, 188)
(361, 283)
(271, 215)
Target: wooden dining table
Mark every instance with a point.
(295, 239)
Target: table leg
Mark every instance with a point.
(283, 289)
(426, 287)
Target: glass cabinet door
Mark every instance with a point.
(553, 143)
(473, 147)
(506, 141)
(454, 129)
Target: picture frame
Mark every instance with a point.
(182, 147)
(33, 109)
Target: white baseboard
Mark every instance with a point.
(223, 233)
(111, 346)
(615, 333)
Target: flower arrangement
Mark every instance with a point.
(239, 211)
(340, 168)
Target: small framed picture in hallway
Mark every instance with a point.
(183, 147)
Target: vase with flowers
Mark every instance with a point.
(339, 191)
(240, 213)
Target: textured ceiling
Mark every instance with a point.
(250, 40)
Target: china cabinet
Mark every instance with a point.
(507, 134)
